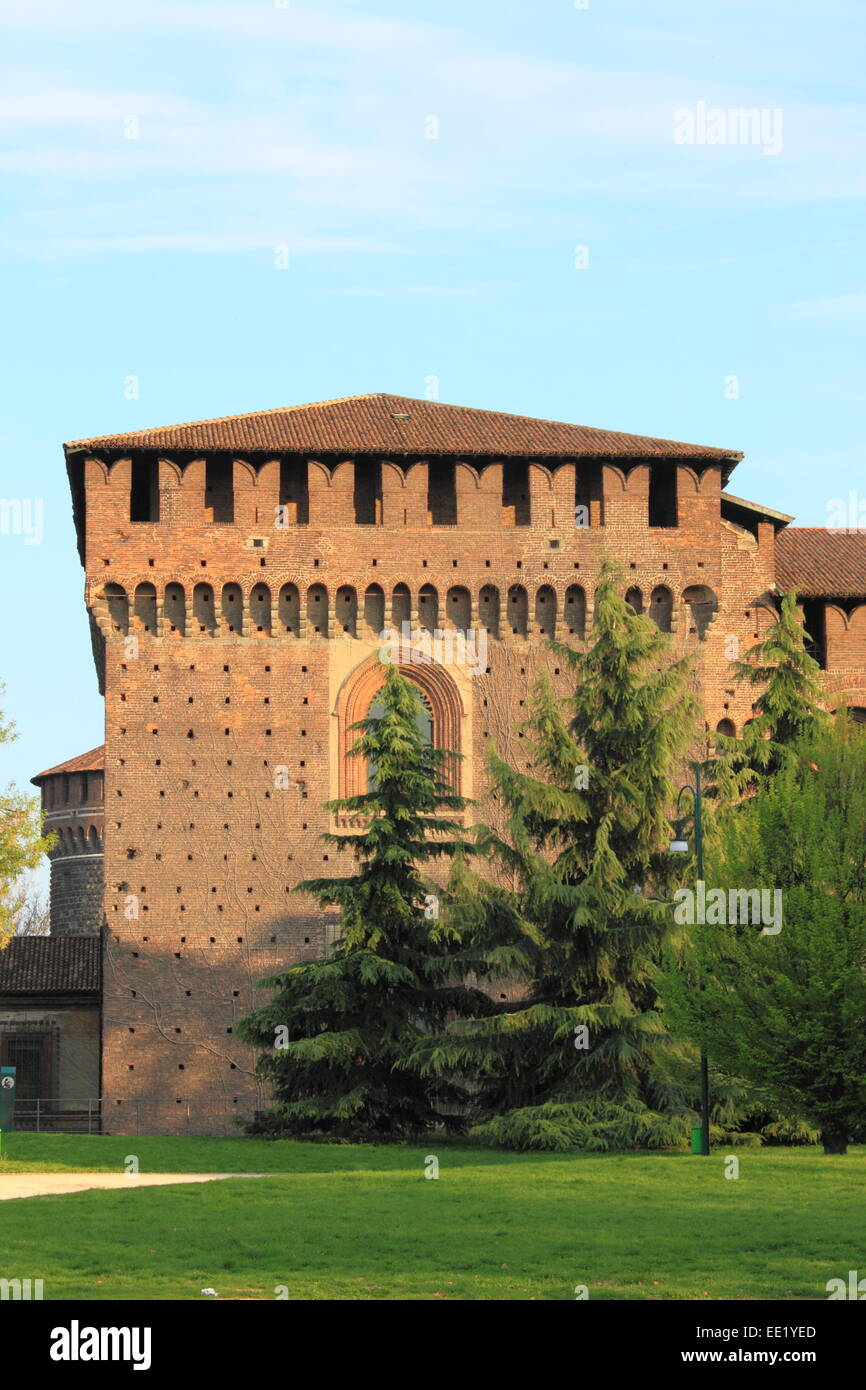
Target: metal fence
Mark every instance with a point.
(94, 1115)
(73, 1115)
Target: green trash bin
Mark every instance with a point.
(697, 1145)
(7, 1099)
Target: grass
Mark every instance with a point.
(362, 1222)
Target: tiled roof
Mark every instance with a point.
(94, 761)
(821, 563)
(50, 965)
(386, 424)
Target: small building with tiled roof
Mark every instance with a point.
(55, 965)
(51, 986)
(50, 1026)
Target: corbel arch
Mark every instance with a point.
(686, 471)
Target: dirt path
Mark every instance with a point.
(52, 1184)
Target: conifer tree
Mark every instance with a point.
(787, 709)
(573, 1063)
(336, 1027)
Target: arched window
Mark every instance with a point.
(357, 697)
(289, 610)
(661, 607)
(545, 611)
(145, 607)
(428, 607)
(317, 611)
(260, 610)
(488, 609)
(726, 727)
(346, 611)
(374, 610)
(232, 608)
(634, 599)
(575, 611)
(174, 609)
(459, 609)
(424, 721)
(702, 604)
(118, 608)
(203, 610)
(401, 606)
(517, 610)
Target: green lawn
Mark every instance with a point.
(349, 1222)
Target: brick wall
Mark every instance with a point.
(222, 745)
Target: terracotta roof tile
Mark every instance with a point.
(94, 761)
(51, 965)
(821, 563)
(373, 424)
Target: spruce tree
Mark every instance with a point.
(336, 1028)
(787, 709)
(575, 1063)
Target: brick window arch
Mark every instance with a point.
(118, 608)
(634, 599)
(358, 692)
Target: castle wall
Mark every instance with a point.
(845, 638)
(226, 714)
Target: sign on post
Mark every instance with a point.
(7, 1099)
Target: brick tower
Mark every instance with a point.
(72, 809)
(239, 575)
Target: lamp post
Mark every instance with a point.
(679, 845)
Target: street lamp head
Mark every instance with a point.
(678, 847)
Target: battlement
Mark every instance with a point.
(242, 504)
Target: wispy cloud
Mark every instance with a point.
(214, 243)
(402, 291)
(248, 144)
(839, 309)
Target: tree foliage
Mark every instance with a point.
(787, 1010)
(574, 1063)
(336, 1028)
(788, 707)
(22, 845)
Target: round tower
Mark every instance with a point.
(73, 810)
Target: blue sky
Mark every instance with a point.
(259, 126)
